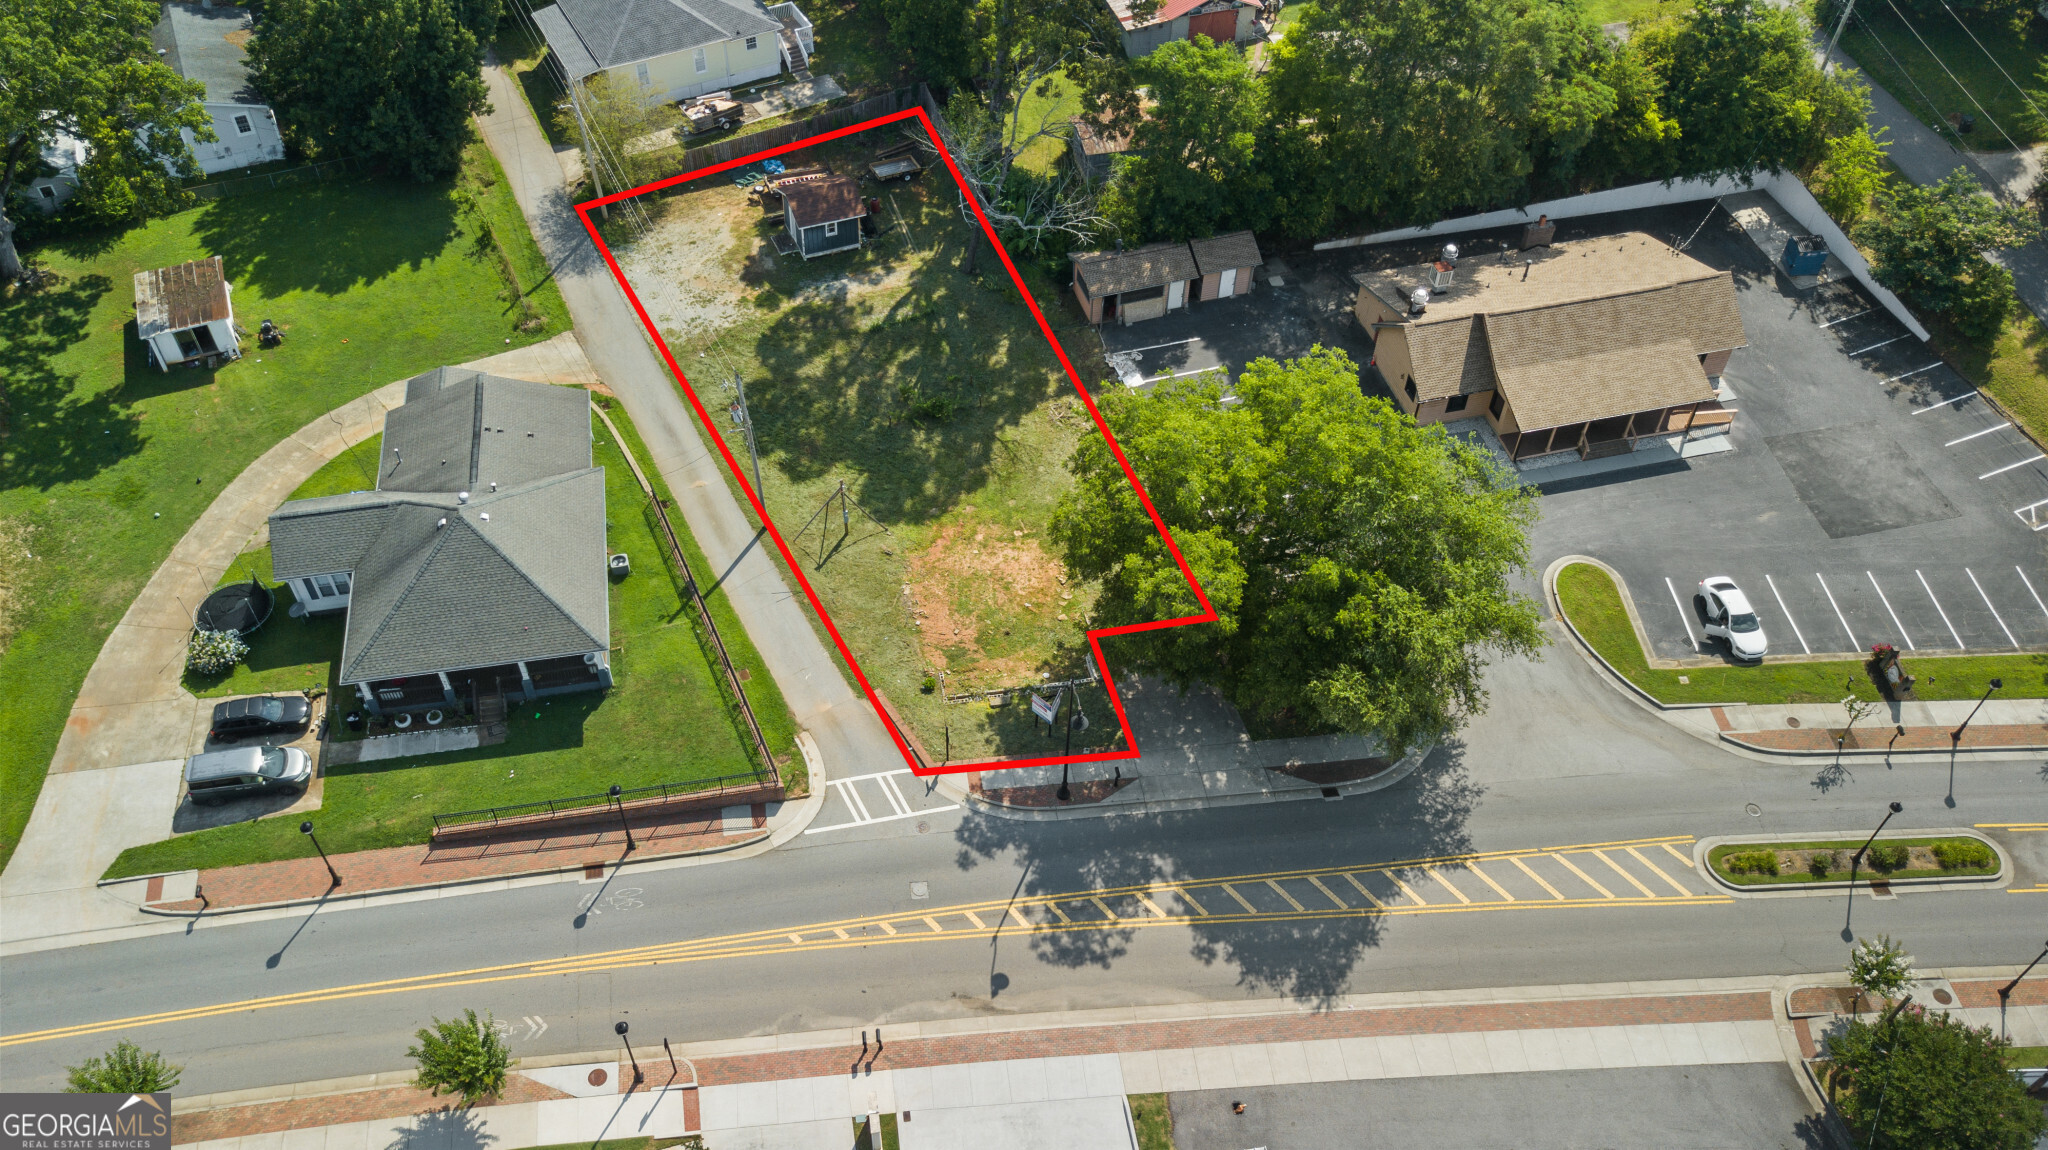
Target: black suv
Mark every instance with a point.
(259, 715)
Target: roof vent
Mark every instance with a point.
(1441, 273)
(441, 524)
(1418, 300)
(462, 497)
(485, 516)
(494, 485)
(1450, 255)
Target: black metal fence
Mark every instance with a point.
(495, 815)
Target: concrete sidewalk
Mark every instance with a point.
(1060, 1080)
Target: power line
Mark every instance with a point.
(1951, 75)
(1995, 63)
(1903, 71)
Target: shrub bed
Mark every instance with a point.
(1764, 864)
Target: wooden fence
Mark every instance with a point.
(737, 146)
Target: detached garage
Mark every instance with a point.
(1140, 284)
(1226, 264)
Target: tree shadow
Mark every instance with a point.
(449, 1128)
(330, 237)
(52, 429)
(1305, 957)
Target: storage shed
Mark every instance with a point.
(823, 216)
(1140, 284)
(1226, 264)
(183, 314)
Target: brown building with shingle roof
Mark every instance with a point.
(1587, 346)
(1146, 283)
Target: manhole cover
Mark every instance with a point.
(1753, 809)
(1791, 720)
(924, 828)
(598, 1076)
(1943, 996)
(920, 890)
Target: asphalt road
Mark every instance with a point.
(1563, 759)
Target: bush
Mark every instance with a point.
(1821, 862)
(1964, 855)
(215, 652)
(462, 1056)
(1753, 862)
(1888, 857)
(126, 1069)
(1931, 1083)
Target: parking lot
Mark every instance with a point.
(1292, 306)
(1872, 495)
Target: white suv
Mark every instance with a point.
(1725, 614)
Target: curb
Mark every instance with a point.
(1873, 753)
(1401, 769)
(1703, 850)
(807, 813)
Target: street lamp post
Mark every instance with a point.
(620, 1030)
(623, 825)
(2005, 992)
(1956, 736)
(1858, 860)
(306, 828)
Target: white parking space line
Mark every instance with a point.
(1788, 614)
(1975, 434)
(1841, 618)
(1909, 374)
(1681, 614)
(1938, 607)
(2031, 515)
(2030, 589)
(1847, 318)
(1943, 403)
(1157, 346)
(1994, 610)
(2008, 467)
(849, 791)
(1875, 346)
(1888, 610)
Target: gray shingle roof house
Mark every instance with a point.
(477, 563)
(674, 49)
(208, 44)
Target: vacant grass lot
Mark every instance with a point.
(1593, 603)
(1894, 56)
(104, 462)
(1719, 856)
(667, 720)
(2014, 371)
(935, 400)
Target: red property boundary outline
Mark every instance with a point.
(1208, 614)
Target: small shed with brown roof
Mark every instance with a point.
(823, 215)
(1094, 150)
(1226, 264)
(1587, 346)
(183, 314)
(1140, 284)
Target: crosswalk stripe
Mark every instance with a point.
(1369, 896)
(1488, 880)
(1568, 865)
(1232, 892)
(1444, 882)
(1616, 868)
(1327, 892)
(1675, 885)
(1283, 894)
(1539, 878)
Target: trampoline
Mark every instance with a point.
(238, 607)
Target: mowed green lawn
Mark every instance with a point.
(1963, 71)
(667, 718)
(1593, 603)
(105, 462)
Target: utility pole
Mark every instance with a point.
(1827, 60)
(744, 419)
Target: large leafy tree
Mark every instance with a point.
(126, 1069)
(1929, 243)
(85, 68)
(1739, 79)
(1358, 564)
(392, 80)
(1192, 159)
(935, 35)
(1931, 1083)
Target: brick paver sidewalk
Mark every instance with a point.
(427, 864)
(1879, 738)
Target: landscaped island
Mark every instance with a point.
(1887, 860)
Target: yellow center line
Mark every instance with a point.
(1326, 892)
(1417, 899)
(1232, 892)
(2011, 826)
(1656, 871)
(1104, 908)
(1488, 880)
(1285, 895)
(1186, 898)
(1445, 883)
(1539, 878)
(1568, 865)
(1616, 868)
(1369, 896)
(1684, 859)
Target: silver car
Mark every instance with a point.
(219, 776)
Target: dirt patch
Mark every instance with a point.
(16, 556)
(683, 268)
(972, 588)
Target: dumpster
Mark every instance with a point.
(1806, 255)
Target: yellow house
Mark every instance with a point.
(1586, 346)
(676, 49)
